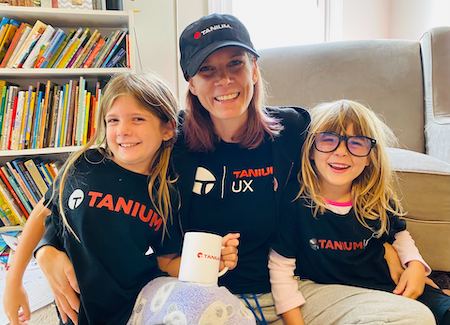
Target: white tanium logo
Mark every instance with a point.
(204, 181)
(75, 199)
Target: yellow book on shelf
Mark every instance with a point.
(69, 54)
(36, 175)
(86, 116)
(24, 121)
(13, 213)
(29, 120)
(64, 115)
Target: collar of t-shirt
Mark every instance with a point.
(341, 208)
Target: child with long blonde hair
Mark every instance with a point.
(113, 208)
(346, 210)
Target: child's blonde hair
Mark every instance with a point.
(154, 95)
(372, 192)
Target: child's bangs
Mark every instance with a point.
(338, 118)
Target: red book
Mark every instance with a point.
(13, 44)
(13, 193)
(13, 120)
(94, 53)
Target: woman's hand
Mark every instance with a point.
(58, 270)
(15, 302)
(229, 253)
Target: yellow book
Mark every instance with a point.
(13, 213)
(64, 114)
(24, 122)
(36, 175)
(29, 121)
(86, 116)
(69, 54)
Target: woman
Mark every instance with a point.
(234, 158)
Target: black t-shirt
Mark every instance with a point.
(334, 248)
(234, 192)
(120, 234)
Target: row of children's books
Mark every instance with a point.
(8, 244)
(66, 4)
(48, 115)
(45, 46)
(23, 182)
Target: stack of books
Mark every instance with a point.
(45, 46)
(23, 182)
(48, 115)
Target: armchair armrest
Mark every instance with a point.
(424, 186)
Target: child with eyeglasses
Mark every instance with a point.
(336, 229)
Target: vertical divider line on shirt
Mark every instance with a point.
(223, 180)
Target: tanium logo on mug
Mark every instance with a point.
(208, 257)
(200, 258)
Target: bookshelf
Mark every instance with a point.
(77, 84)
(103, 20)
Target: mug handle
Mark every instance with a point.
(224, 270)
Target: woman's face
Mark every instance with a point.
(224, 84)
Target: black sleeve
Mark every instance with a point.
(53, 223)
(395, 225)
(286, 242)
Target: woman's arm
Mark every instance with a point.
(15, 298)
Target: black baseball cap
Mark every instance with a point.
(208, 34)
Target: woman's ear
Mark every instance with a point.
(255, 75)
(192, 87)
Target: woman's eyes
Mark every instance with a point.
(205, 69)
(233, 64)
(236, 63)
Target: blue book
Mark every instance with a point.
(44, 173)
(52, 47)
(18, 166)
(18, 191)
(116, 46)
(116, 58)
(37, 119)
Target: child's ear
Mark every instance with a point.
(168, 131)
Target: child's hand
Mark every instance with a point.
(412, 281)
(393, 261)
(15, 302)
(229, 254)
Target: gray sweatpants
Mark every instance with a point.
(339, 304)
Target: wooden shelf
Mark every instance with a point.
(68, 17)
(31, 73)
(38, 152)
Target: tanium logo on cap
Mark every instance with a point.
(210, 29)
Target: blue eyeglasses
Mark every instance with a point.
(357, 145)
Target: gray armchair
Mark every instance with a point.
(408, 84)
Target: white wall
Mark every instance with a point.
(413, 17)
(158, 24)
(366, 19)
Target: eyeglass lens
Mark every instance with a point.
(356, 145)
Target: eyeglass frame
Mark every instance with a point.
(345, 138)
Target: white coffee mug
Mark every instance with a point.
(200, 258)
